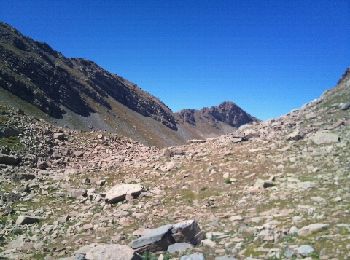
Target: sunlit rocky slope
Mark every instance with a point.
(273, 190)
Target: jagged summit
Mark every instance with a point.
(223, 117)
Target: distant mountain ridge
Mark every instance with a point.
(78, 93)
(226, 112)
(214, 120)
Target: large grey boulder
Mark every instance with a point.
(118, 192)
(9, 159)
(159, 239)
(325, 137)
(153, 240)
(106, 252)
(344, 106)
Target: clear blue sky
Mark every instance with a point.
(267, 56)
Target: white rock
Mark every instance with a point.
(325, 137)
(308, 230)
(106, 252)
(118, 192)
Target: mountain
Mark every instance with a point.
(215, 120)
(79, 94)
(277, 189)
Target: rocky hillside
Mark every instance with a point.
(272, 190)
(79, 94)
(45, 78)
(215, 120)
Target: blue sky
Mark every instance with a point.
(267, 56)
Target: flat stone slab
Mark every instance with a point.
(154, 239)
(325, 137)
(118, 192)
(179, 247)
(159, 239)
(308, 230)
(106, 252)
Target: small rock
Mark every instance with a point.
(305, 250)
(80, 256)
(236, 218)
(195, 256)
(78, 153)
(179, 247)
(225, 258)
(344, 106)
(118, 192)
(101, 182)
(293, 230)
(27, 220)
(263, 184)
(42, 165)
(308, 230)
(209, 243)
(337, 199)
(295, 136)
(9, 159)
(59, 136)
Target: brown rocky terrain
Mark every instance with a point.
(277, 189)
(79, 94)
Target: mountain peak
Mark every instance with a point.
(222, 118)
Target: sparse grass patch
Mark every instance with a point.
(13, 143)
